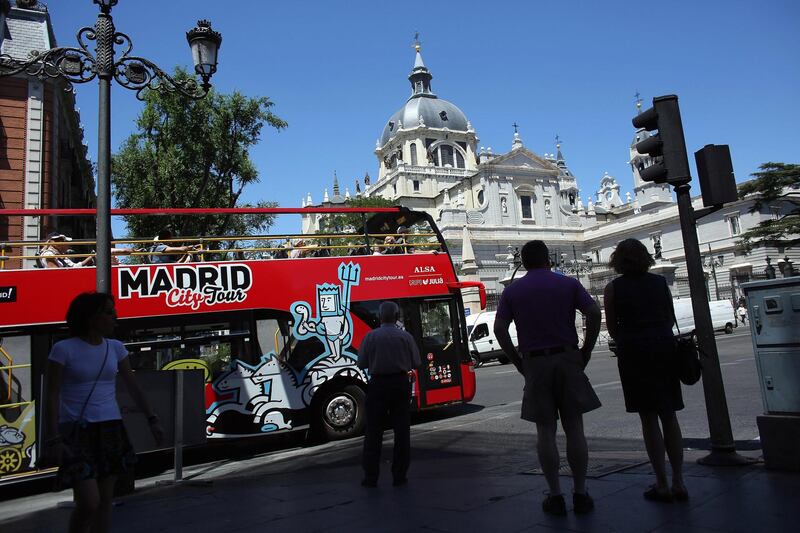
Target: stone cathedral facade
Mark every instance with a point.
(486, 204)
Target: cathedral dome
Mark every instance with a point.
(424, 107)
(435, 113)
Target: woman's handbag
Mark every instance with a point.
(687, 358)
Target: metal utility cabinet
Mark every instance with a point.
(773, 309)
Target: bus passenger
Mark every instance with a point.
(405, 247)
(58, 244)
(389, 354)
(85, 435)
(164, 252)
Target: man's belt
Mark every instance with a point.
(550, 351)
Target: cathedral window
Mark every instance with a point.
(416, 185)
(481, 197)
(447, 155)
(733, 225)
(413, 153)
(526, 203)
(459, 160)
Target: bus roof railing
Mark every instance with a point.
(385, 222)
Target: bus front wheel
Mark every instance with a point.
(341, 413)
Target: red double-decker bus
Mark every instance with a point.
(274, 325)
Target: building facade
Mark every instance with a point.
(43, 162)
(489, 204)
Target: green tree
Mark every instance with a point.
(349, 222)
(192, 153)
(775, 182)
(343, 223)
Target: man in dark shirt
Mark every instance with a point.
(389, 354)
(542, 305)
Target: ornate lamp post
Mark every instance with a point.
(77, 65)
(712, 263)
(575, 266)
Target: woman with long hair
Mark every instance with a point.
(639, 316)
(86, 437)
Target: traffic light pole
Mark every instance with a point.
(723, 448)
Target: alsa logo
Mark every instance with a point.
(188, 285)
(425, 269)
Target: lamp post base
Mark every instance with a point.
(726, 458)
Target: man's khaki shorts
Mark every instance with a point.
(556, 385)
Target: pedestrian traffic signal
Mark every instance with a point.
(667, 148)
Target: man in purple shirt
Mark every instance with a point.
(542, 305)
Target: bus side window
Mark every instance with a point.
(304, 351)
(272, 334)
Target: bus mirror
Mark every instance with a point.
(458, 285)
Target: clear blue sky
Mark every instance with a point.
(337, 70)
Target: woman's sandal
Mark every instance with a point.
(654, 495)
(680, 495)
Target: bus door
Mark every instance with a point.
(17, 407)
(435, 326)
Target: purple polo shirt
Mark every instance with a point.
(542, 305)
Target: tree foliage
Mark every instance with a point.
(775, 182)
(344, 223)
(349, 222)
(192, 153)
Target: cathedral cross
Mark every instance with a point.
(515, 127)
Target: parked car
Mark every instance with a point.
(483, 345)
(722, 318)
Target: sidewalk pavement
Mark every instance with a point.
(318, 490)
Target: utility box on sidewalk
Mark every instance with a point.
(773, 308)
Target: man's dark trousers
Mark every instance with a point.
(388, 399)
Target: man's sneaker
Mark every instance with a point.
(582, 503)
(554, 505)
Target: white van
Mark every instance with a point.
(483, 345)
(721, 315)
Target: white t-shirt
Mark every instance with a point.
(81, 362)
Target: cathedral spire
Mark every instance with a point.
(559, 156)
(335, 184)
(420, 76)
(517, 142)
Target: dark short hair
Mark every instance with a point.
(81, 310)
(388, 312)
(535, 255)
(631, 257)
(165, 233)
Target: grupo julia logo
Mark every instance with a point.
(187, 285)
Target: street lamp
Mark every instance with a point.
(713, 263)
(77, 65)
(576, 266)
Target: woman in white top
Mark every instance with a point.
(87, 439)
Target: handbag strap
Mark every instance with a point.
(94, 385)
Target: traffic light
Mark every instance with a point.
(667, 147)
(715, 173)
